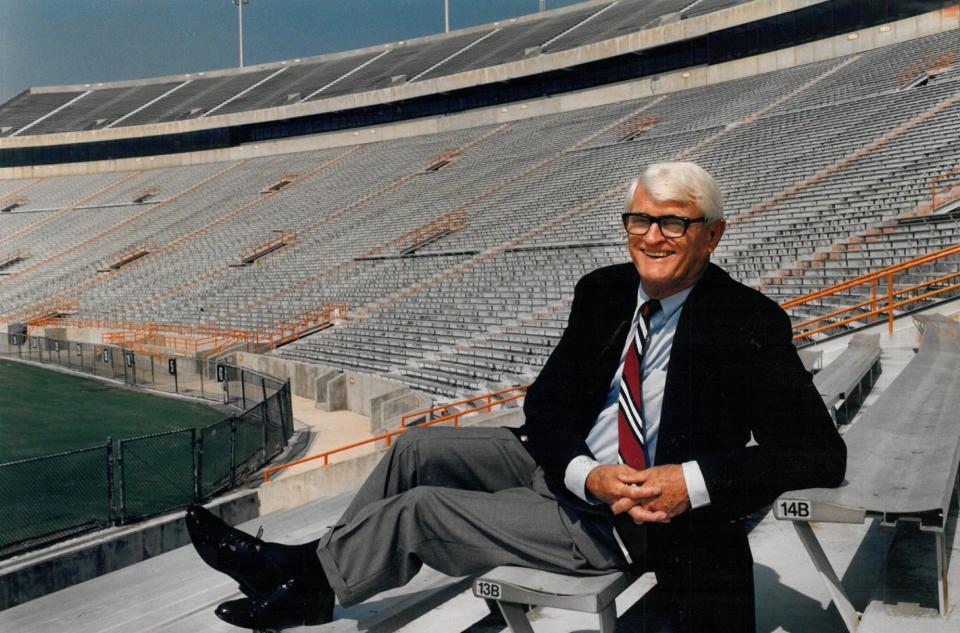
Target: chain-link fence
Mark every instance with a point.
(47, 498)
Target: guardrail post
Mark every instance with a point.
(890, 302)
(226, 386)
(123, 487)
(197, 446)
(233, 449)
(110, 500)
(264, 420)
(243, 390)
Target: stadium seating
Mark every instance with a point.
(833, 162)
(922, 485)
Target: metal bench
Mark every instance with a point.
(812, 359)
(849, 377)
(902, 461)
(515, 588)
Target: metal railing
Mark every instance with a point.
(883, 296)
(490, 400)
(51, 497)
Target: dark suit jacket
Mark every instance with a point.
(733, 372)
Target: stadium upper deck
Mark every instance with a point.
(562, 51)
(198, 95)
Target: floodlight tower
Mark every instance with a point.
(239, 4)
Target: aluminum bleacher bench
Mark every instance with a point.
(850, 376)
(901, 464)
(812, 360)
(515, 588)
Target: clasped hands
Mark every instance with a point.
(653, 495)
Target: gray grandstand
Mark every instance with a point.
(454, 241)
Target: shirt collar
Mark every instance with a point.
(668, 305)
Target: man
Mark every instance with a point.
(636, 451)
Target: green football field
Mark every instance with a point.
(44, 411)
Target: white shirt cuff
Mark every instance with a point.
(696, 486)
(575, 476)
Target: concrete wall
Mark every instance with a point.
(386, 410)
(332, 389)
(301, 375)
(37, 574)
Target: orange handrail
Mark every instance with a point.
(282, 238)
(389, 435)
(153, 326)
(128, 254)
(927, 64)
(44, 311)
(445, 407)
(448, 222)
(884, 274)
(286, 330)
(20, 253)
(933, 186)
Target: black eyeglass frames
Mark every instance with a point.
(670, 225)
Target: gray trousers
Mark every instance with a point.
(460, 501)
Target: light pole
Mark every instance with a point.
(543, 5)
(446, 16)
(239, 4)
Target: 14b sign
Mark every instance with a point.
(794, 509)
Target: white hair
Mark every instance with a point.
(681, 181)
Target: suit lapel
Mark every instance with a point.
(685, 372)
(619, 312)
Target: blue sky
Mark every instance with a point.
(49, 42)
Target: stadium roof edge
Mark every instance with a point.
(376, 48)
(624, 44)
(818, 50)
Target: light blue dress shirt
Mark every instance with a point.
(603, 439)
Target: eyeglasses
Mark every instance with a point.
(670, 225)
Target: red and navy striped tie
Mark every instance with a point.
(630, 424)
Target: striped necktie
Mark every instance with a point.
(630, 426)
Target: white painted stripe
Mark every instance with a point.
(640, 344)
(52, 112)
(149, 103)
(578, 24)
(634, 430)
(342, 77)
(449, 57)
(243, 92)
(636, 426)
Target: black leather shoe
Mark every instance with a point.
(247, 559)
(294, 603)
